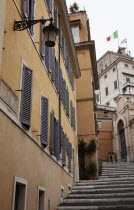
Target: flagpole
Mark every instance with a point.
(118, 40)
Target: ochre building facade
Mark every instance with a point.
(38, 130)
(88, 82)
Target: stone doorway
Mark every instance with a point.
(122, 140)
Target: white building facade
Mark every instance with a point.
(116, 76)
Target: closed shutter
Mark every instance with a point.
(69, 157)
(60, 83)
(55, 15)
(47, 57)
(61, 36)
(49, 5)
(26, 8)
(50, 59)
(71, 112)
(65, 49)
(42, 43)
(67, 101)
(74, 119)
(56, 74)
(44, 121)
(26, 97)
(31, 15)
(53, 64)
(63, 149)
(58, 141)
(52, 134)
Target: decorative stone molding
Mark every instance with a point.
(8, 96)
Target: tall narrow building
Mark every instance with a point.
(88, 82)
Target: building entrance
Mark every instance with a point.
(122, 140)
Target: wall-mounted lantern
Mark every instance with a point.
(50, 31)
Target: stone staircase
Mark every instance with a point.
(114, 189)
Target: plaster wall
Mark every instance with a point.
(2, 22)
(25, 159)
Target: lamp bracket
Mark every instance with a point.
(24, 24)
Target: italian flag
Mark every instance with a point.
(113, 36)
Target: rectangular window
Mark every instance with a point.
(41, 198)
(97, 97)
(28, 10)
(26, 97)
(44, 121)
(115, 84)
(127, 79)
(105, 76)
(114, 69)
(76, 34)
(106, 91)
(55, 137)
(19, 195)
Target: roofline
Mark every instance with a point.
(91, 46)
(114, 62)
(114, 54)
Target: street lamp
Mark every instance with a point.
(50, 31)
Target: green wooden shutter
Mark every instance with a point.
(42, 43)
(26, 8)
(52, 133)
(44, 121)
(26, 97)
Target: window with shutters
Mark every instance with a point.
(26, 97)
(28, 10)
(19, 195)
(55, 137)
(44, 121)
(49, 4)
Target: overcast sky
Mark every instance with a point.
(105, 17)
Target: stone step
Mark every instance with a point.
(111, 207)
(104, 195)
(106, 190)
(115, 176)
(101, 201)
(103, 186)
(106, 182)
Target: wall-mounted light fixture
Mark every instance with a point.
(50, 31)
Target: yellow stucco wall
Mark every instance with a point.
(24, 158)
